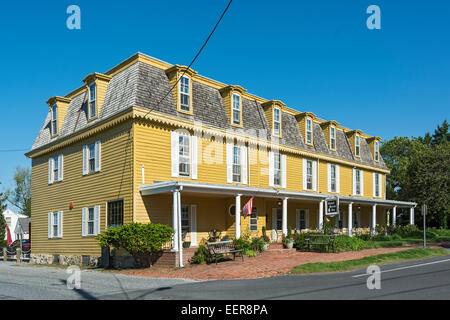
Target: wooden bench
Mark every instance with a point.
(321, 239)
(223, 247)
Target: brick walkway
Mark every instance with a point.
(268, 264)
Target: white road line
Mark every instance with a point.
(402, 268)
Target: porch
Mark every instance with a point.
(195, 209)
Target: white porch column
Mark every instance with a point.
(175, 220)
(321, 204)
(238, 217)
(411, 215)
(284, 217)
(180, 239)
(374, 218)
(349, 220)
(394, 216)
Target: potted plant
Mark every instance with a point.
(265, 238)
(288, 241)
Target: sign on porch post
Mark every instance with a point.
(332, 206)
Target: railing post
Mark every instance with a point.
(18, 255)
(5, 255)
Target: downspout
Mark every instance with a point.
(180, 240)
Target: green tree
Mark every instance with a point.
(20, 196)
(2, 219)
(441, 134)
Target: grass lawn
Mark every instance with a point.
(379, 259)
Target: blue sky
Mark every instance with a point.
(315, 56)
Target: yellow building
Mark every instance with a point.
(124, 147)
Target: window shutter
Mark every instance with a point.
(283, 168)
(329, 177)
(271, 163)
(193, 225)
(304, 174)
(229, 163)
(307, 220)
(60, 166)
(83, 221)
(354, 181)
(50, 225)
(60, 224)
(194, 147)
(361, 174)
(297, 220)
(98, 146)
(175, 154)
(50, 170)
(85, 161)
(314, 167)
(338, 180)
(97, 220)
(244, 164)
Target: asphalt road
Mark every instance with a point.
(418, 279)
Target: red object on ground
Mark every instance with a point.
(8, 236)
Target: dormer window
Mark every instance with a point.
(237, 110)
(54, 120)
(332, 138)
(357, 145)
(308, 131)
(377, 151)
(276, 121)
(185, 97)
(92, 100)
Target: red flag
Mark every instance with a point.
(8, 236)
(248, 208)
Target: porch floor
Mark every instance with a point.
(273, 262)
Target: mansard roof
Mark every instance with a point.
(144, 85)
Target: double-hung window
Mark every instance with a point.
(236, 109)
(55, 169)
(377, 151)
(185, 97)
(237, 164)
(185, 226)
(333, 138)
(276, 121)
(376, 182)
(309, 174)
(308, 131)
(91, 158)
(90, 221)
(277, 169)
(279, 220)
(358, 182)
(92, 100)
(254, 220)
(333, 178)
(55, 223)
(184, 155)
(357, 145)
(115, 213)
(54, 120)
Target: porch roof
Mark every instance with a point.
(211, 188)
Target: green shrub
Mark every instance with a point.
(249, 252)
(299, 242)
(396, 237)
(257, 244)
(3, 243)
(364, 237)
(346, 243)
(141, 240)
(202, 255)
(243, 243)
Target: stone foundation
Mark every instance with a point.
(67, 260)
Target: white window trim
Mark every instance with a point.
(305, 175)
(193, 154)
(357, 146)
(309, 131)
(276, 121)
(332, 129)
(54, 121)
(250, 224)
(337, 172)
(375, 175)
(233, 109)
(85, 221)
(181, 106)
(361, 175)
(377, 151)
(59, 225)
(297, 220)
(92, 84)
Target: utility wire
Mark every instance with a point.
(193, 60)
(14, 150)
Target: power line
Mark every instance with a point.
(14, 150)
(193, 60)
